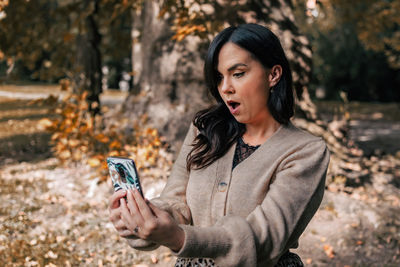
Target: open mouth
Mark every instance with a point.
(233, 104)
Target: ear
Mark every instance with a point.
(274, 75)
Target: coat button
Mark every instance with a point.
(222, 186)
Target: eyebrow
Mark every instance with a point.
(237, 65)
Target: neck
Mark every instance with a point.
(258, 133)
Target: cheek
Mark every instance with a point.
(260, 98)
(219, 92)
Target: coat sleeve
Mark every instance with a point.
(173, 196)
(276, 224)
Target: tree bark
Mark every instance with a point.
(88, 60)
(169, 74)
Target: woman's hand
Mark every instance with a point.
(115, 213)
(148, 222)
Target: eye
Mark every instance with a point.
(238, 74)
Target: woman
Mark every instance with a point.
(246, 181)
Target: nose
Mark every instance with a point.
(226, 87)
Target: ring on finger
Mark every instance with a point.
(136, 230)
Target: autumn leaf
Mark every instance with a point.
(65, 154)
(115, 144)
(114, 153)
(328, 249)
(73, 142)
(94, 162)
(76, 136)
(102, 138)
(45, 124)
(77, 155)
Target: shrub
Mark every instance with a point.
(79, 136)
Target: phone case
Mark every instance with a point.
(123, 173)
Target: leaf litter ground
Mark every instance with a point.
(54, 215)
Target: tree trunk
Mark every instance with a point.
(88, 60)
(169, 74)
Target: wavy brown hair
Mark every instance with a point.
(218, 129)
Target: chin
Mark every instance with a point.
(240, 120)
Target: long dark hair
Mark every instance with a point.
(218, 129)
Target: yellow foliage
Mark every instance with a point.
(94, 162)
(3, 4)
(45, 123)
(115, 144)
(102, 138)
(73, 142)
(64, 154)
(78, 136)
(77, 156)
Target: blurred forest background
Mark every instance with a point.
(82, 80)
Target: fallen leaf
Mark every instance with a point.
(50, 254)
(94, 162)
(329, 251)
(45, 124)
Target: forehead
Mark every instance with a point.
(231, 54)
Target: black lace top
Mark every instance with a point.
(242, 151)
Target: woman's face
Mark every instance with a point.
(244, 84)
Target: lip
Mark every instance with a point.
(234, 111)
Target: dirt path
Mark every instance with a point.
(54, 215)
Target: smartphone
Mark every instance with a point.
(123, 173)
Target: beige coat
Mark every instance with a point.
(252, 215)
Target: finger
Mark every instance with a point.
(120, 225)
(114, 199)
(123, 205)
(157, 211)
(129, 224)
(134, 210)
(126, 216)
(132, 204)
(142, 205)
(126, 233)
(122, 229)
(152, 206)
(115, 214)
